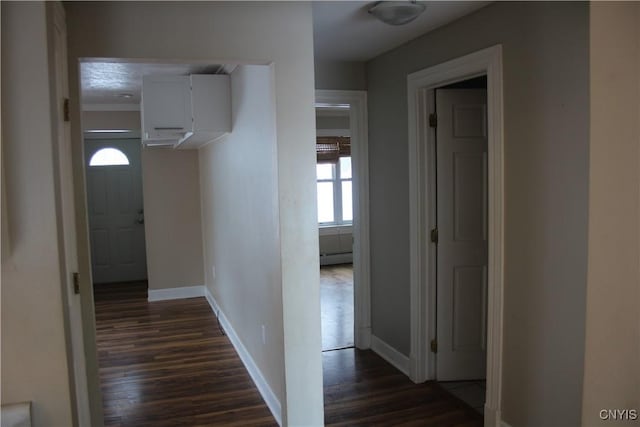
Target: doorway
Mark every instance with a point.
(335, 225)
(167, 224)
(355, 177)
(115, 208)
(460, 238)
(422, 88)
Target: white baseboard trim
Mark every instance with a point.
(175, 293)
(493, 418)
(363, 338)
(268, 395)
(390, 354)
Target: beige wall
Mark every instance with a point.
(172, 223)
(261, 33)
(612, 353)
(128, 120)
(240, 213)
(34, 357)
(546, 136)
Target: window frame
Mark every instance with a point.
(337, 181)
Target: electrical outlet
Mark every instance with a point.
(264, 335)
(213, 272)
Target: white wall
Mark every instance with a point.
(612, 351)
(34, 357)
(546, 155)
(172, 222)
(260, 33)
(240, 213)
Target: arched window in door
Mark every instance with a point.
(109, 157)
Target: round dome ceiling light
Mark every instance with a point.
(397, 12)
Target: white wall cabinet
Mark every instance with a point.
(185, 112)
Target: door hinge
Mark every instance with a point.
(433, 120)
(434, 346)
(65, 110)
(434, 235)
(76, 283)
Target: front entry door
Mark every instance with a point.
(116, 216)
(461, 139)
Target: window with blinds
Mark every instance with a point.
(334, 180)
(329, 149)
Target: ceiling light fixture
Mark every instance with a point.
(397, 12)
(125, 95)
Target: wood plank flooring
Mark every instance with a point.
(336, 306)
(166, 363)
(361, 389)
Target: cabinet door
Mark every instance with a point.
(166, 106)
(211, 101)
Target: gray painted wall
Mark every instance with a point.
(546, 113)
(340, 75)
(329, 122)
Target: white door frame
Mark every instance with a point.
(357, 102)
(422, 216)
(66, 218)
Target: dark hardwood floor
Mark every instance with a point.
(166, 363)
(361, 389)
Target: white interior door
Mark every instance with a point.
(461, 137)
(116, 216)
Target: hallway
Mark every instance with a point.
(167, 363)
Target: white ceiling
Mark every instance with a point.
(345, 31)
(105, 82)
